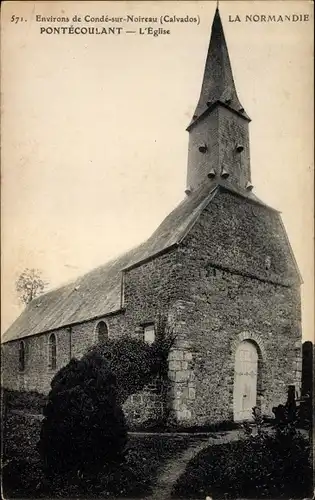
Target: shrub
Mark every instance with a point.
(22, 475)
(305, 413)
(84, 425)
(23, 479)
(31, 401)
(264, 466)
(290, 416)
(133, 362)
(307, 369)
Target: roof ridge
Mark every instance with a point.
(99, 289)
(248, 195)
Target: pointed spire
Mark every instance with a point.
(218, 83)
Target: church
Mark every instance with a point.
(219, 270)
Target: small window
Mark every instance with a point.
(52, 354)
(22, 356)
(268, 262)
(149, 334)
(102, 332)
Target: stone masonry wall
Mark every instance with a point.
(216, 289)
(212, 325)
(181, 365)
(145, 407)
(233, 131)
(221, 130)
(70, 343)
(200, 163)
(252, 302)
(149, 289)
(243, 237)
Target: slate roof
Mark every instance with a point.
(218, 82)
(98, 292)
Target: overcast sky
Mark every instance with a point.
(94, 147)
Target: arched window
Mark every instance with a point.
(22, 356)
(52, 352)
(101, 331)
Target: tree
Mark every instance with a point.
(84, 427)
(29, 285)
(84, 406)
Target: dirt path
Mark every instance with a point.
(176, 467)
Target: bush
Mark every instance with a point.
(307, 369)
(264, 466)
(23, 476)
(23, 479)
(84, 426)
(84, 405)
(133, 362)
(305, 413)
(290, 416)
(31, 401)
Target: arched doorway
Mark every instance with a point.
(245, 380)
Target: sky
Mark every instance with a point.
(94, 147)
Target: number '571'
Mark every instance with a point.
(16, 19)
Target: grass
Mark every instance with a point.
(134, 477)
(253, 468)
(260, 467)
(221, 426)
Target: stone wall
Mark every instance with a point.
(146, 407)
(233, 132)
(156, 282)
(70, 341)
(200, 163)
(244, 237)
(37, 375)
(234, 296)
(215, 290)
(212, 326)
(150, 289)
(221, 130)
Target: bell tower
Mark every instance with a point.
(218, 132)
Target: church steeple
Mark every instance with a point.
(219, 142)
(218, 82)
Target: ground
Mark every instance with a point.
(259, 467)
(159, 467)
(145, 458)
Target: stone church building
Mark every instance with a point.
(219, 268)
